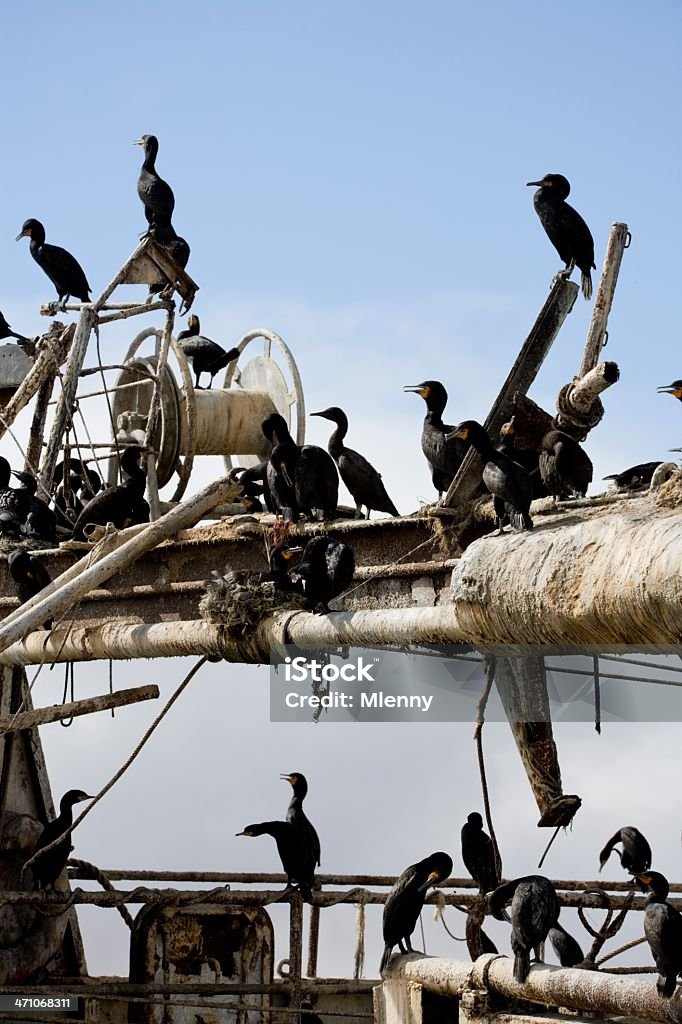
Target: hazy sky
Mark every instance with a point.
(352, 175)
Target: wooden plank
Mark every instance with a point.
(558, 305)
(57, 712)
(618, 241)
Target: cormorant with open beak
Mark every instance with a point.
(674, 389)
(442, 451)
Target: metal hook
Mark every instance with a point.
(605, 338)
(628, 239)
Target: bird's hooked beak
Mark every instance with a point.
(244, 833)
(463, 434)
(85, 796)
(417, 389)
(290, 553)
(541, 184)
(670, 389)
(138, 142)
(288, 778)
(24, 234)
(285, 473)
(431, 880)
(322, 414)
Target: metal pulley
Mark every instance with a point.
(221, 421)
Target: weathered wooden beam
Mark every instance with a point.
(558, 305)
(64, 410)
(619, 239)
(52, 351)
(76, 708)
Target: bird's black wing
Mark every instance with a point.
(402, 907)
(364, 482)
(64, 271)
(582, 244)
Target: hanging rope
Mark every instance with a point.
(92, 871)
(68, 689)
(124, 768)
(439, 914)
(597, 695)
(489, 663)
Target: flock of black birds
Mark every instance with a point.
(534, 911)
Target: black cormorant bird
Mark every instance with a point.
(30, 576)
(405, 901)
(61, 267)
(296, 815)
(478, 854)
(534, 911)
(300, 479)
(565, 467)
(326, 570)
(281, 474)
(47, 869)
(205, 355)
(442, 451)
(7, 332)
(36, 517)
(636, 478)
(155, 193)
(663, 931)
(11, 519)
(316, 483)
(254, 480)
(636, 853)
(506, 480)
(359, 476)
(525, 457)
(567, 231)
(674, 389)
(295, 852)
(565, 946)
(123, 505)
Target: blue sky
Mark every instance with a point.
(352, 175)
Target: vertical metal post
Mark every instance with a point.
(313, 939)
(155, 412)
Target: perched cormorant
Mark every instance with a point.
(36, 517)
(10, 504)
(506, 480)
(565, 467)
(534, 911)
(565, 946)
(92, 484)
(663, 931)
(7, 332)
(528, 459)
(635, 856)
(282, 558)
(567, 231)
(205, 355)
(30, 576)
(49, 867)
(478, 854)
(295, 852)
(674, 389)
(442, 451)
(300, 479)
(296, 815)
(123, 505)
(359, 476)
(255, 483)
(61, 267)
(405, 901)
(326, 569)
(280, 477)
(637, 478)
(155, 193)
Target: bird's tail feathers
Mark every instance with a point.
(586, 284)
(520, 521)
(521, 966)
(666, 985)
(386, 958)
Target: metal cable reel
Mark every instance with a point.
(221, 421)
